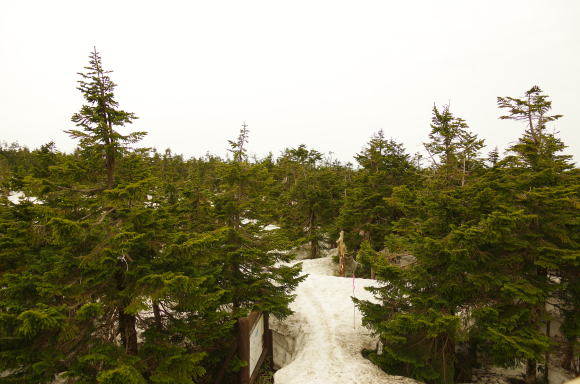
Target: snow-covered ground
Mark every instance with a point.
(322, 341)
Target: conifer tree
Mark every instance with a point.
(419, 315)
(99, 139)
(248, 257)
(100, 116)
(543, 184)
(311, 192)
(366, 214)
(101, 258)
(452, 147)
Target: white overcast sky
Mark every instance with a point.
(324, 73)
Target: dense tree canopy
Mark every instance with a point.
(121, 264)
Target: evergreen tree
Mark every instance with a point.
(542, 183)
(452, 147)
(311, 192)
(419, 317)
(245, 255)
(85, 268)
(250, 274)
(366, 214)
(99, 117)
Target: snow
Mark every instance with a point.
(268, 227)
(15, 197)
(322, 341)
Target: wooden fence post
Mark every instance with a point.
(244, 348)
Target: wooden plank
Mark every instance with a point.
(268, 335)
(246, 325)
(257, 343)
(260, 362)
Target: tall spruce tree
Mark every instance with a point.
(98, 266)
(99, 139)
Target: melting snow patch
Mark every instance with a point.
(270, 227)
(322, 341)
(15, 197)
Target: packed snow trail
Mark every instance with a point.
(322, 341)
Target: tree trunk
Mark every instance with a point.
(531, 368)
(110, 164)
(472, 357)
(464, 171)
(157, 315)
(127, 322)
(128, 331)
(230, 355)
(448, 361)
(466, 361)
(314, 248)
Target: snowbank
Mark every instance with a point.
(323, 340)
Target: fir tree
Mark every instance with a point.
(311, 191)
(419, 316)
(366, 214)
(100, 116)
(543, 184)
(452, 147)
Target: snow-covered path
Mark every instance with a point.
(323, 340)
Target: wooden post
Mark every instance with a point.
(268, 335)
(244, 348)
(341, 254)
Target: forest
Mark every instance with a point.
(123, 264)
